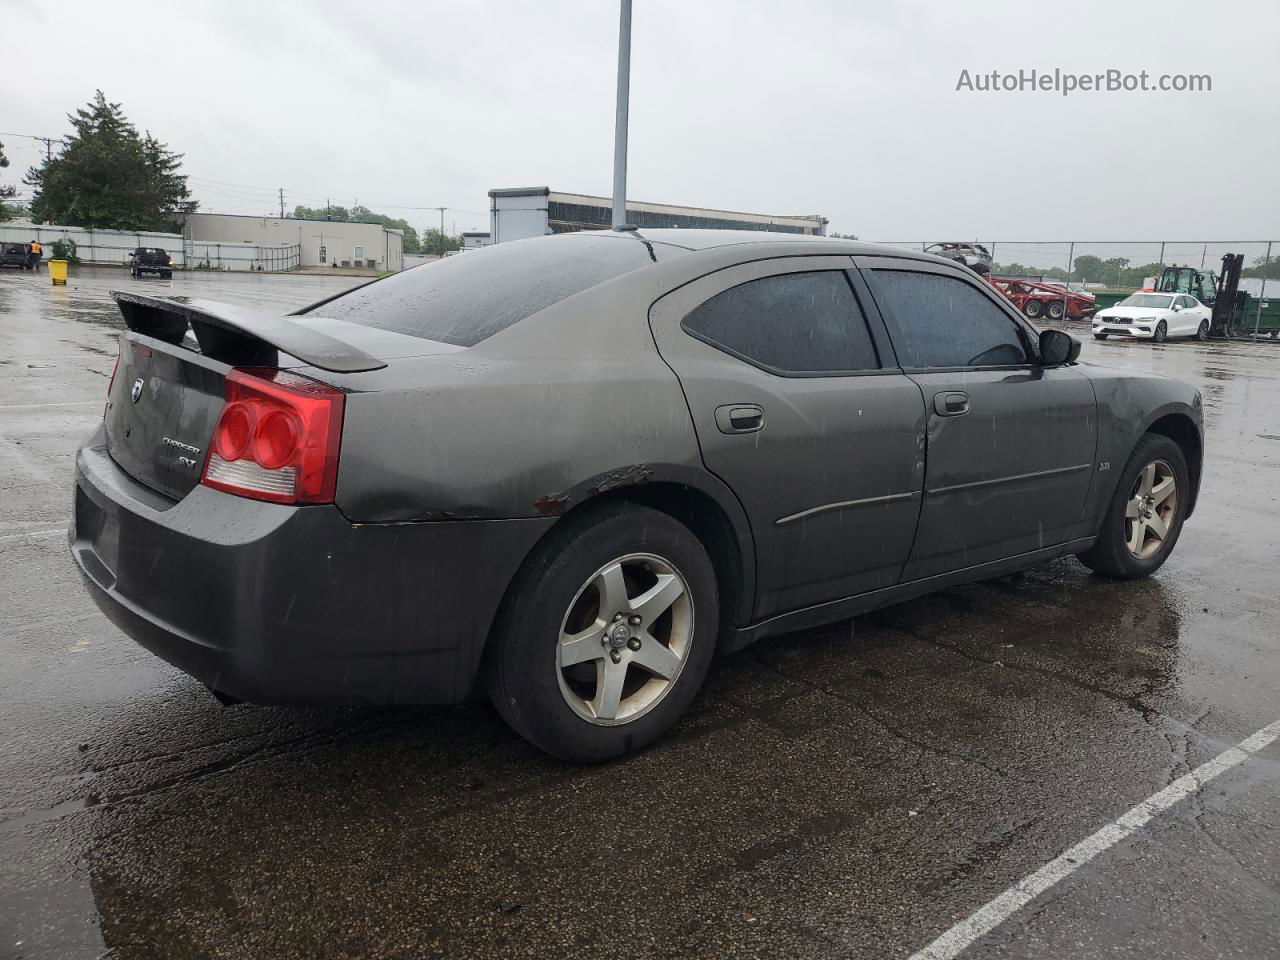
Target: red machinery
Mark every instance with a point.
(1038, 299)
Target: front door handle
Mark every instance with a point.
(740, 418)
(953, 404)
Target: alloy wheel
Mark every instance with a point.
(1150, 512)
(625, 639)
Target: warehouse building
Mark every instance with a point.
(520, 212)
(321, 243)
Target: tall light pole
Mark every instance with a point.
(620, 125)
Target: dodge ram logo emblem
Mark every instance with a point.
(136, 393)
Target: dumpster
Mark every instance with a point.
(1261, 318)
(58, 272)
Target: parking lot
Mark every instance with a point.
(853, 791)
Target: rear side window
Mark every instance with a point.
(790, 323)
(467, 297)
(940, 321)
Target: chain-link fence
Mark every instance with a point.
(1126, 265)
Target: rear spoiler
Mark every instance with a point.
(239, 336)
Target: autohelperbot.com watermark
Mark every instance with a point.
(1065, 82)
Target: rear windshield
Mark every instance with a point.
(467, 297)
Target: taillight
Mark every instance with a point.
(277, 438)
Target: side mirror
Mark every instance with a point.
(1176, 308)
(1057, 348)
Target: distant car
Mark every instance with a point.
(577, 466)
(17, 255)
(972, 255)
(1154, 316)
(1045, 299)
(150, 260)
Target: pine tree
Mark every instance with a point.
(107, 176)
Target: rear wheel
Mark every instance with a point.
(606, 634)
(1055, 310)
(1203, 332)
(1162, 332)
(1145, 516)
(1033, 308)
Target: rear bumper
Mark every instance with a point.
(280, 604)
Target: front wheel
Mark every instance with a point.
(1055, 310)
(1145, 516)
(1100, 336)
(1162, 332)
(606, 634)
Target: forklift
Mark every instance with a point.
(1221, 294)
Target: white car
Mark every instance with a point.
(1154, 316)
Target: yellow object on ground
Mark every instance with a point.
(58, 272)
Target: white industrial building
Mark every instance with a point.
(520, 212)
(320, 243)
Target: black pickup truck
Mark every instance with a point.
(150, 260)
(16, 255)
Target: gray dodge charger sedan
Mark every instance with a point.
(576, 467)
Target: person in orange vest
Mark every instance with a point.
(36, 253)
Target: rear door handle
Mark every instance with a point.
(740, 418)
(953, 404)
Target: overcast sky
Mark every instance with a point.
(848, 109)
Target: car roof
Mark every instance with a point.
(706, 240)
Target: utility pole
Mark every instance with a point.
(442, 209)
(326, 208)
(282, 203)
(620, 120)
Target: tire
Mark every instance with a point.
(1100, 336)
(1162, 332)
(1113, 554)
(1202, 333)
(558, 593)
(166, 275)
(1033, 308)
(1055, 310)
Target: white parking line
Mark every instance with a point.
(64, 403)
(32, 534)
(963, 934)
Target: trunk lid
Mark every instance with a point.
(169, 388)
(161, 411)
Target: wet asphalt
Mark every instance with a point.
(845, 792)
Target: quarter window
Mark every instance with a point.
(941, 321)
(789, 323)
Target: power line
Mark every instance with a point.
(47, 141)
